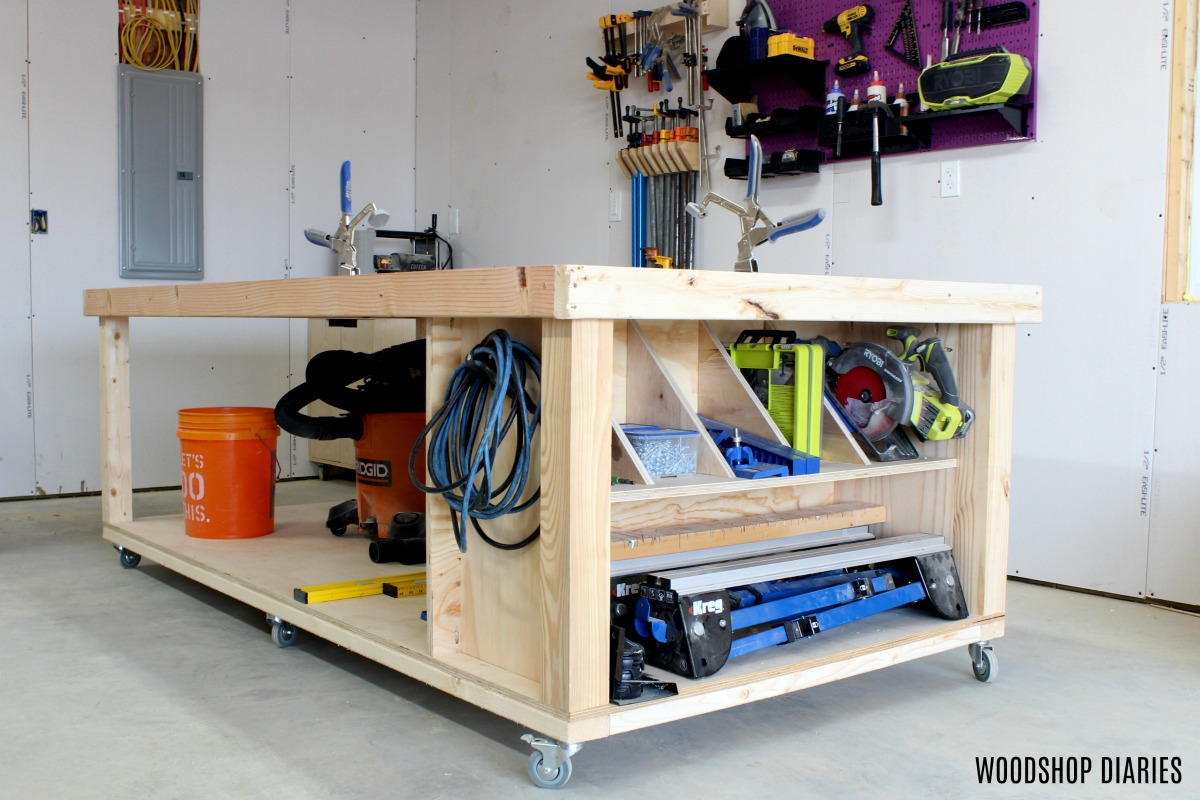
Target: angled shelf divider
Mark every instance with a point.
(653, 397)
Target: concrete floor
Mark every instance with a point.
(142, 684)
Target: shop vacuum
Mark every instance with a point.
(385, 414)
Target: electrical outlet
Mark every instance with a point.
(951, 180)
(453, 231)
(615, 204)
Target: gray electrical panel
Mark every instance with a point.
(161, 197)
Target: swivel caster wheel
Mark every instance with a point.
(129, 559)
(983, 661)
(284, 634)
(550, 762)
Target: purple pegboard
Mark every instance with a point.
(806, 18)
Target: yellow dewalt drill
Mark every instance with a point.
(852, 23)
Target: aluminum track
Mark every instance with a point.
(710, 577)
(711, 555)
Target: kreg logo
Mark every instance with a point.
(702, 607)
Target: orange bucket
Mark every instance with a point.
(227, 455)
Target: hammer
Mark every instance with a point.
(876, 107)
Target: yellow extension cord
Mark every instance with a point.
(157, 38)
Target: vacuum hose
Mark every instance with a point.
(394, 381)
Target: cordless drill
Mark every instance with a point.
(851, 24)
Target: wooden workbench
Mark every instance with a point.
(525, 634)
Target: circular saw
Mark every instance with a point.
(873, 388)
(879, 391)
(937, 413)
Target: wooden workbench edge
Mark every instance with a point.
(502, 292)
(572, 291)
(586, 292)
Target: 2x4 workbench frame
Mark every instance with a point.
(573, 309)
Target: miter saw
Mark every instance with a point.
(877, 391)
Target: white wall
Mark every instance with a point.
(510, 133)
(1079, 212)
(292, 87)
(16, 339)
(1174, 553)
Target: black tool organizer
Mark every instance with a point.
(793, 89)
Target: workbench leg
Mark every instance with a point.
(980, 536)
(576, 457)
(116, 473)
(444, 591)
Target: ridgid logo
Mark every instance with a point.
(374, 473)
(1143, 770)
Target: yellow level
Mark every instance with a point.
(408, 585)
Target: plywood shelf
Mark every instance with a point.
(262, 572)
(880, 641)
(301, 552)
(701, 535)
(831, 472)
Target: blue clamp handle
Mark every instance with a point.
(347, 207)
(649, 56)
(797, 222)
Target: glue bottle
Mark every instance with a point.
(831, 99)
(876, 90)
(854, 102)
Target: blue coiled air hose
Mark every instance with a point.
(465, 433)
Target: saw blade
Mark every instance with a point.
(861, 383)
(862, 394)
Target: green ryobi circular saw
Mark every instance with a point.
(878, 391)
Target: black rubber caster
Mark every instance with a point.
(284, 634)
(129, 559)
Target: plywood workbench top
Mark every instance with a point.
(569, 291)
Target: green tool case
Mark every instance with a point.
(788, 378)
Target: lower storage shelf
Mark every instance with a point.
(263, 572)
(884, 640)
